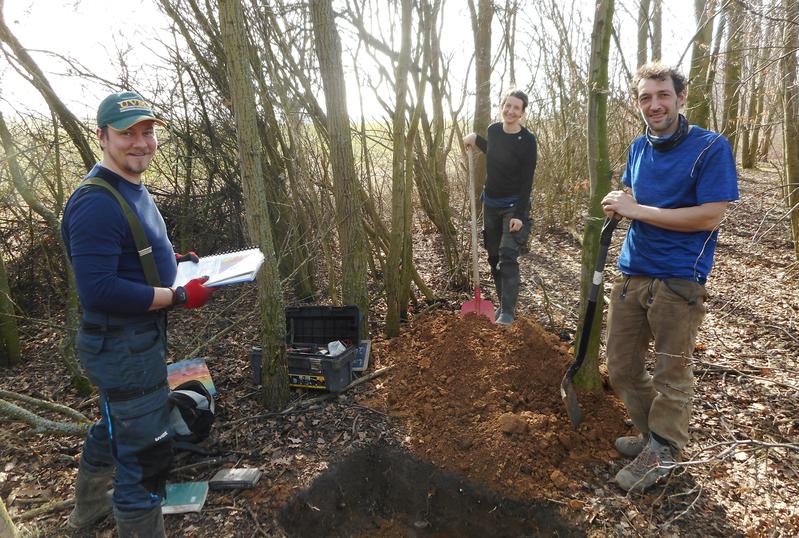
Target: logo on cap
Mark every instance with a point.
(134, 104)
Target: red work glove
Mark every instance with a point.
(193, 294)
(190, 256)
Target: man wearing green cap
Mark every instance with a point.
(124, 266)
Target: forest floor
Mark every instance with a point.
(466, 434)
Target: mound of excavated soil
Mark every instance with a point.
(484, 400)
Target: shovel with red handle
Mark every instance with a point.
(479, 306)
(567, 392)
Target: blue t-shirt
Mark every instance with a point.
(700, 170)
(103, 253)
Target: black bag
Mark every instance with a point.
(192, 413)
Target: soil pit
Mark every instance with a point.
(483, 400)
(383, 491)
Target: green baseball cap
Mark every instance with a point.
(121, 110)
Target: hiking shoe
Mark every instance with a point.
(630, 445)
(654, 462)
(505, 319)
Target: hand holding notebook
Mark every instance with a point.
(222, 269)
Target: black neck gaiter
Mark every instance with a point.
(665, 144)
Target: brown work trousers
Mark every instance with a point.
(669, 312)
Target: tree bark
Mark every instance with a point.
(657, 29)
(750, 119)
(7, 527)
(400, 223)
(274, 373)
(790, 108)
(588, 377)
(732, 73)
(643, 32)
(511, 12)
(79, 424)
(352, 238)
(775, 107)
(711, 72)
(760, 90)
(51, 407)
(481, 30)
(9, 333)
(697, 106)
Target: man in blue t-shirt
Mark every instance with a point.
(680, 179)
(122, 338)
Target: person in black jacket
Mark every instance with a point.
(510, 161)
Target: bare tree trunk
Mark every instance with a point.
(481, 29)
(775, 107)
(9, 333)
(7, 527)
(274, 374)
(711, 72)
(790, 107)
(750, 115)
(588, 376)
(400, 226)
(761, 117)
(511, 11)
(643, 31)
(732, 73)
(657, 29)
(697, 107)
(352, 238)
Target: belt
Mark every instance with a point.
(102, 323)
(121, 395)
(116, 330)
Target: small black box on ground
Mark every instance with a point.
(309, 329)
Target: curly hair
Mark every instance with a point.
(658, 71)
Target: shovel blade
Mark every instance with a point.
(569, 396)
(481, 307)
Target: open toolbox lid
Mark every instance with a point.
(318, 324)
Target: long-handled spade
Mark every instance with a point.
(481, 307)
(567, 391)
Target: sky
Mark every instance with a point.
(89, 31)
(92, 31)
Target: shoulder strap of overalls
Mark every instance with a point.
(139, 237)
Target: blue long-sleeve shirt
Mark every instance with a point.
(102, 250)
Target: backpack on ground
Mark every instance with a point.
(192, 414)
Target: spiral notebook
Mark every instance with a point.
(222, 269)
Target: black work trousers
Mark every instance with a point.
(503, 249)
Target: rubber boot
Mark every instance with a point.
(92, 495)
(510, 293)
(140, 523)
(498, 286)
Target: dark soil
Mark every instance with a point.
(382, 491)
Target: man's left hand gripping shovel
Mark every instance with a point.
(567, 391)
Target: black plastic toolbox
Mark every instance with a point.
(309, 329)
